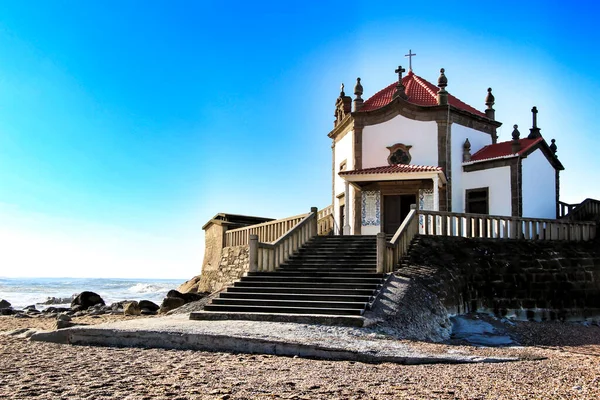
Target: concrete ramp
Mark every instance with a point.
(254, 337)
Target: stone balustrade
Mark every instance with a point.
(269, 256)
(325, 220)
(389, 253)
(501, 227)
(266, 232)
(441, 223)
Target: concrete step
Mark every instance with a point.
(343, 320)
(301, 279)
(289, 303)
(350, 291)
(316, 285)
(328, 268)
(297, 297)
(284, 310)
(317, 274)
(327, 264)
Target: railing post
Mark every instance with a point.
(253, 253)
(314, 229)
(381, 253)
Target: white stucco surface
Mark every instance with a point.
(498, 182)
(458, 136)
(343, 151)
(539, 186)
(421, 135)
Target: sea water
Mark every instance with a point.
(22, 292)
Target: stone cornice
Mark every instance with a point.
(345, 125)
(399, 106)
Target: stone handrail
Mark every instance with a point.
(502, 227)
(269, 256)
(267, 231)
(325, 220)
(587, 210)
(389, 253)
(442, 223)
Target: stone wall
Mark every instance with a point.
(232, 266)
(514, 278)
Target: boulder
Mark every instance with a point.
(63, 317)
(148, 305)
(132, 308)
(6, 311)
(191, 286)
(4, 304)
(187, 297)
(60, 324)
(171, 303)
(57, 300)
(85, 300)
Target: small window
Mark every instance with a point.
(343, 165)
(477, 201)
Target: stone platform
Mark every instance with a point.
(258, 337)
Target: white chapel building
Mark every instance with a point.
(415, 143)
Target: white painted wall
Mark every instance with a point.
(344, 150)
(421, 135)
(458, 136)
(498, 182)
(539, 186)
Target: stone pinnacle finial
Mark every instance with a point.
(489, 102)
(553, 147)
(358, 91)
(516, 135)
(342, 89)
(467, 151)
(442, 95)
(489, 99)
(516, 144)
(442, 80)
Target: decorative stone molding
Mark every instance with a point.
(399, 154)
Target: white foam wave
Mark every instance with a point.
(148, 288)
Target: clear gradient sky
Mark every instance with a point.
(126, 125)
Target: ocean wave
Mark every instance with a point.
(149, 288)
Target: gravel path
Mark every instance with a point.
(571, 369)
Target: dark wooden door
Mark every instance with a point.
(395, 209)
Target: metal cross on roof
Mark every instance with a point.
(410, 56)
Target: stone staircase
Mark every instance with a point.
(332, 280)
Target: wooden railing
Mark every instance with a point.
(390, 253)
(587, 210)
(266, 232)
(501, 227)
(442, 223)
(325, 221)
(269, 256)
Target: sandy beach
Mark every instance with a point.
(559, 361)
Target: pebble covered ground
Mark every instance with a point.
(560, 361)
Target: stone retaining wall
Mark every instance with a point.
(514, 278)
(232, 266)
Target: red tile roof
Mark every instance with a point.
(391, 169)
(503, 149)
(419, 91)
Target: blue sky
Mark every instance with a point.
(125, 125)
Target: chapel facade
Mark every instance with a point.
(415, 143)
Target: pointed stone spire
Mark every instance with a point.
(516, 136)
(467, 151)
(442, 95)
(400, 89)
(553, 147)
(358, 91)
(489, 102)
(534, 132)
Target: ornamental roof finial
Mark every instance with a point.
(442, 95)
